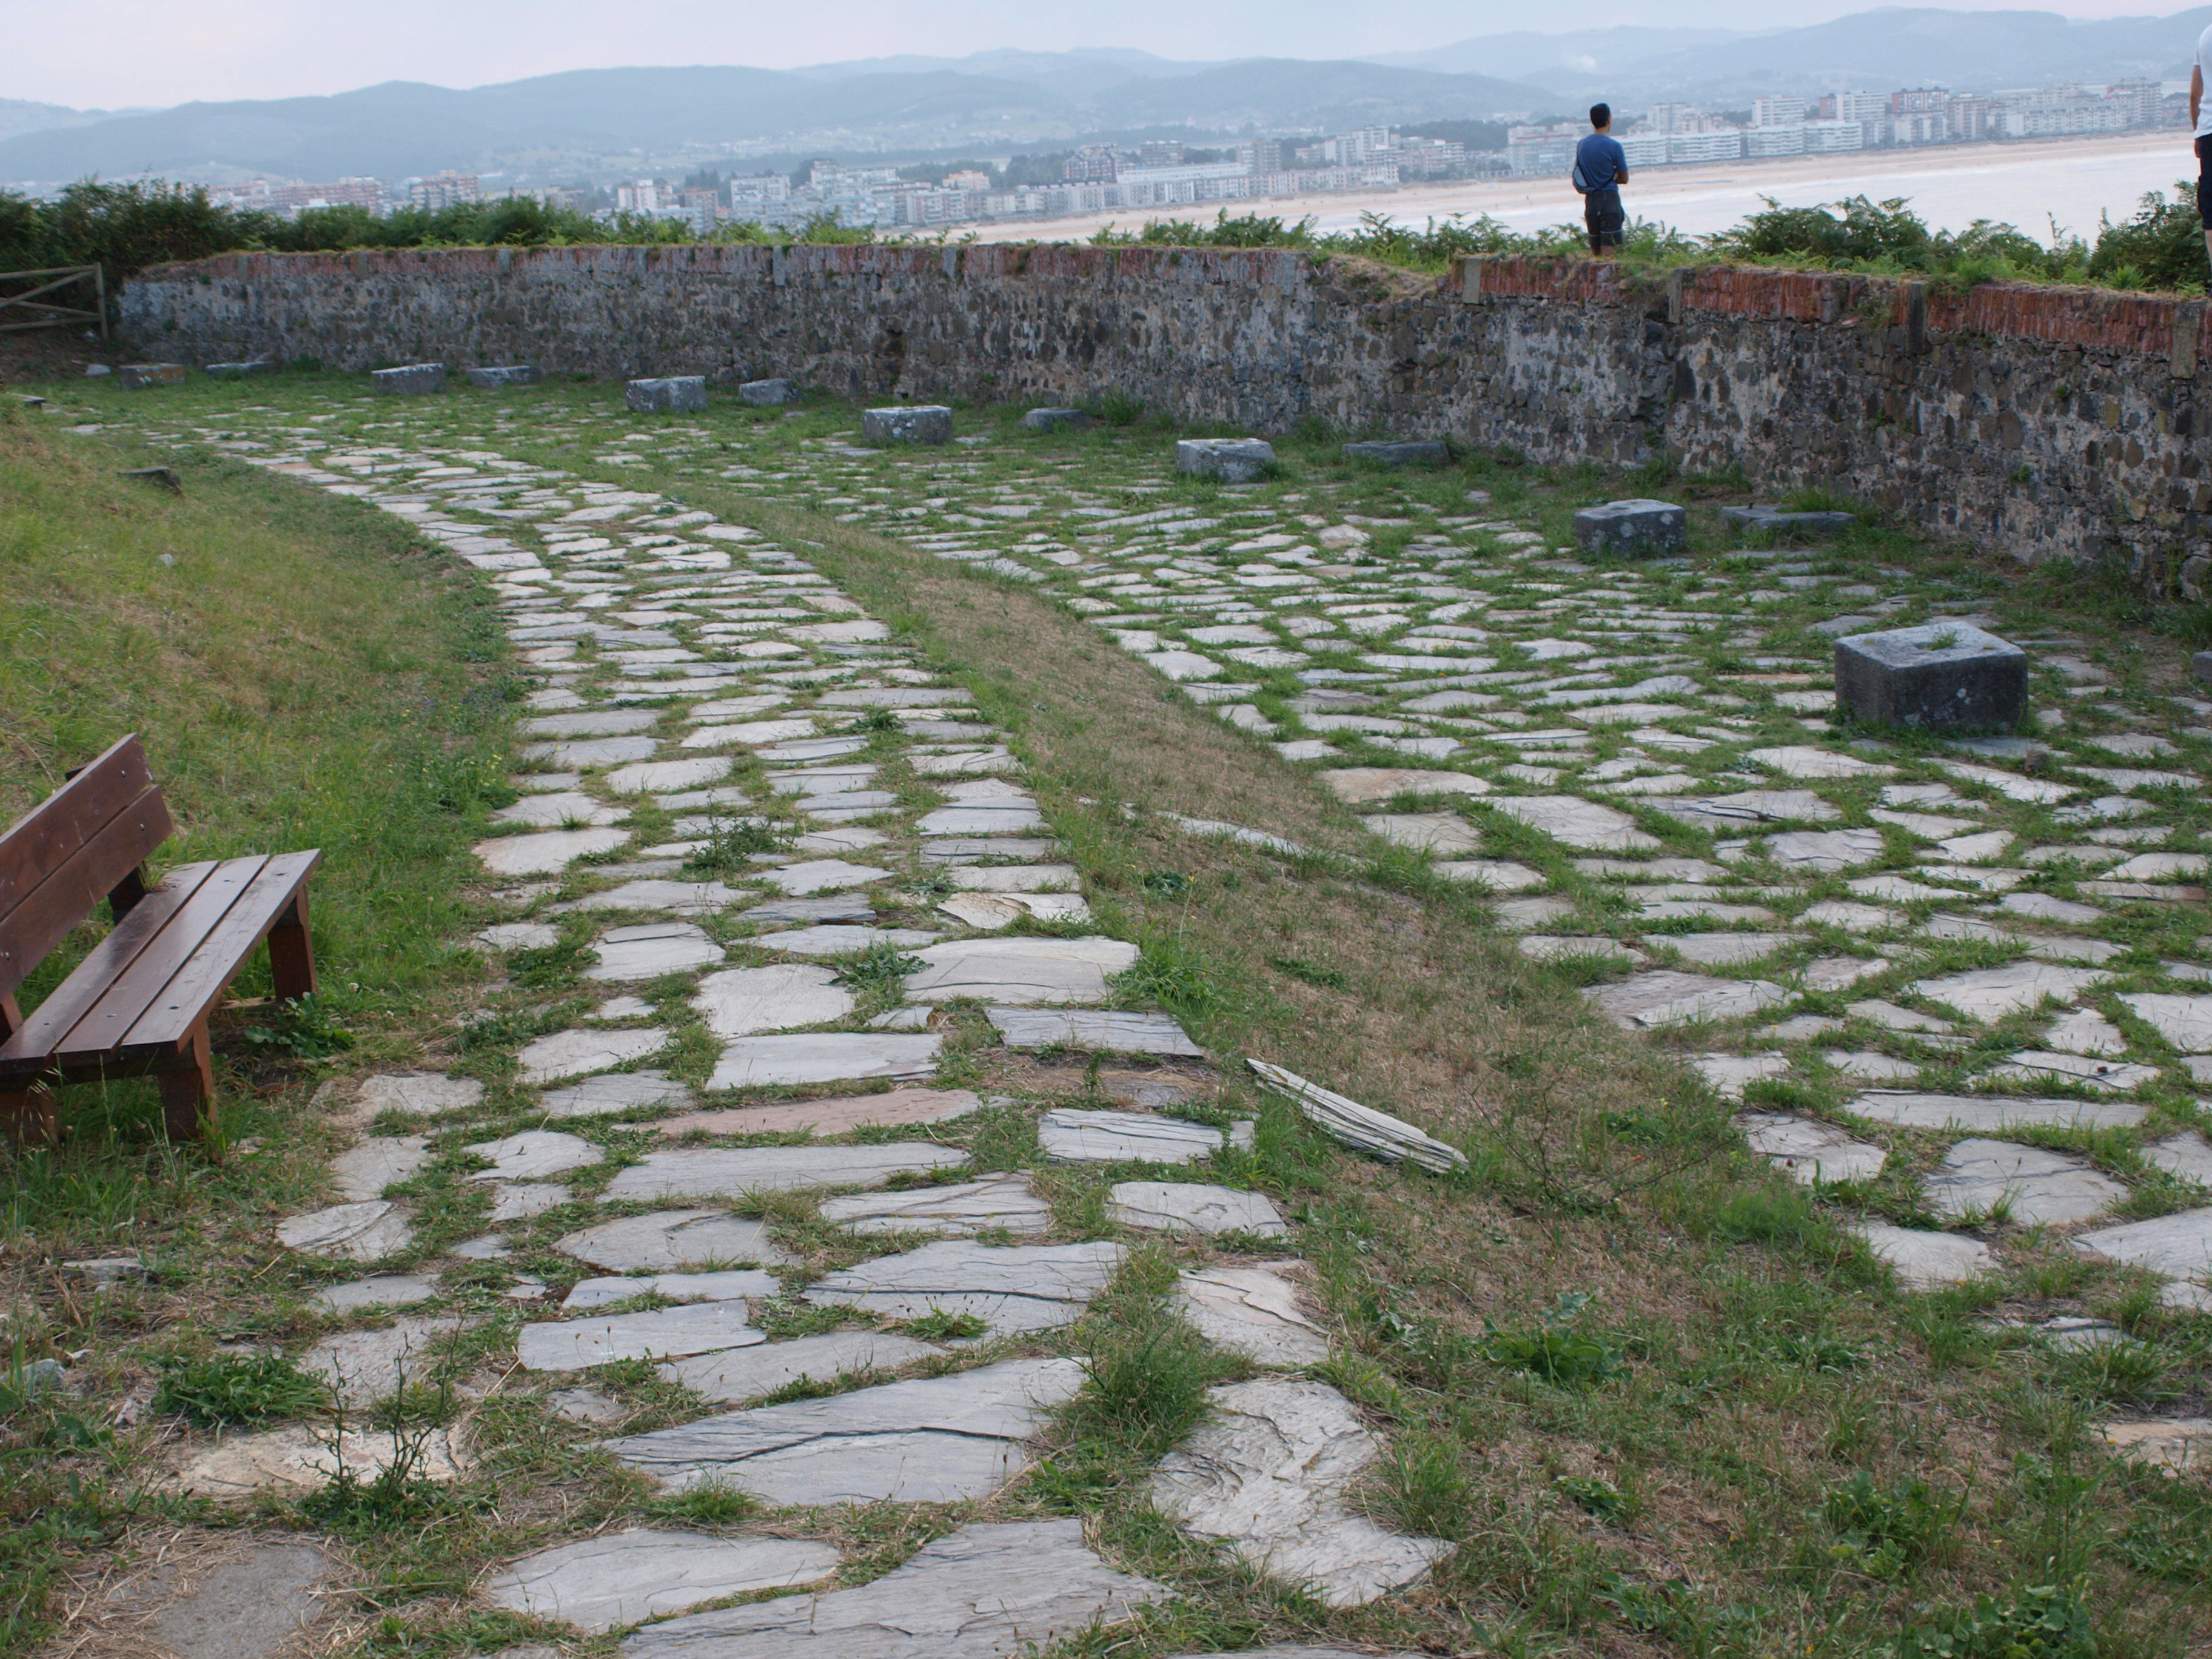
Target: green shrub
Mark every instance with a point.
(1555, 1350)
(238, 1389)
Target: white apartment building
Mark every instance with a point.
(1778, 112)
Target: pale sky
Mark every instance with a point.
(108, 53)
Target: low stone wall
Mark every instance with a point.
(2038, 422)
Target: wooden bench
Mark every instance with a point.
(139, 1003)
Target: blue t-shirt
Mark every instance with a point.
(1602, 160)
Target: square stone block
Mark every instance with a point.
(1798, 524)
(1053, 420)
(2200, 668)
(670, 395)
(767, 394)
(1941, 676)
(1428, 452)
(1635, 529)
(917, 423)
(411, 380)
(1233, 460)
(235, 371)
(137, 377)
(511, 374)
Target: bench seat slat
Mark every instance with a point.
(70, 1001)
(133, 991)
(199, 980)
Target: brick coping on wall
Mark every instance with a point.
(2162, 327)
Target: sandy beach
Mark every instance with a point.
(2026, 183)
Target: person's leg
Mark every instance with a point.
(2204, 199)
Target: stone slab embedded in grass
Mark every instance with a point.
(574, 1345)
(1356, 784)
(430, 1096)
(994, 910)
(2178, 1445)
(1664, 997)
(252, 1607)
(823, 876)
(768, 1061)
(383, 1290)
(824, 908)
(353, 1232)
(1811, 1152)
(623, 1577)
(545, 855)
(769, 393)
(622, 1091)
(1070, 1135)
(629, 954)
(717, 1171)
(364, 1172)
(1173, 1207)
(1401, 453)
(1746, 807)
(1990, 1114)
(739, 1001)
(1824, 851)
(1010, 1287)
(935, 1440)
(1990, 993)
(2104, 1077)
(1498, 875)
(1941, 676)
(837, 939)
(670, 1241)
(910, 423)
(731, 1285)
(1255, 1311)
(411, 379)
(1272, 1473)
(741, 1374)
(1729, 1074)
(2188, 1155)
(1121, 1033)
(301, 1458)
(984, 1592)
(1425, 832)
(1977, 1177)
(2178, 1246)
(657, 777)
(667, 395)
(1928, 1261)
(593, 751)
(1723, 949)
(958, 1210)
(1362, 1128)
(1635, 529)
(1020, 971)
(1576, 823)
(534, 1155)
(2185, 1022)
(833, 1116)
(363, 1367)
(577, 1054)
(1231, 460)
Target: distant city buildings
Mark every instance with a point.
(442, 190)
(1683, 135)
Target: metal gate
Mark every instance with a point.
(26, 310)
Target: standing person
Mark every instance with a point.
(1600, 169)
(2200, 117)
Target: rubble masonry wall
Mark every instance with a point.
(2040, 421)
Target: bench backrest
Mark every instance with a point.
(83, 843)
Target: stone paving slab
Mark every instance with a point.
(2183, 1021)
(1121, 1033)
(354, 1232)
(430, 1096)
(2035, 1186)
(623, 1091)
(1016, 1287)
(1811, 1152)
(665, 1332)
(2180, 1445)
(672, 1240)
(717, 1171)
(1988, 1114)
(520, 1203)
(621, 1578)
(1665, 997)
(740, 1374)
(2188, 1155)
(1172, 1206)
(769, 1062)
(383, 1290)
(363, 1367)
(533, 1155)
(565, 1054)
(2178, 1246)
(1019, 971)
(729, 1286)
(1925, 1260)
(262, 1603)
(1272, 1474)
(1252, 1311)
(301, 1458)
(935, 1440)
(983, 1592)
(362, 1172)
(831, 1116)
(959, 1210)
(1071, 1136)
(1990, 993)
(626, 955)
(740, 1002)
(548, 854)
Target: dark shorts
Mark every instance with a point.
(1605, 217)
(2203, 188)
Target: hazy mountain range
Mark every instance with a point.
(602, 121)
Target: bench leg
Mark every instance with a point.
(29, 1116)
(292, 951)
(188, 1091)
